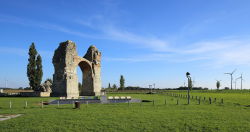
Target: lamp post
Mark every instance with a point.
(189, 85)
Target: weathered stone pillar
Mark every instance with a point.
(94, 56)
(65, 81)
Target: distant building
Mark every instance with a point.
(1, 90)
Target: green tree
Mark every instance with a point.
(39, 72)
(122, 82)
(31, 67)
(109, 86)
(80, 87)
(218, 84)
(114, 87)
(34, 68)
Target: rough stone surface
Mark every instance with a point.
(65, 80)
(46, 87)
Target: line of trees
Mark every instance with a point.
(34, 68)
(114, 86)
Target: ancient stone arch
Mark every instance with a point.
(65, 80)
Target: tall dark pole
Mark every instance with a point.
(189, 85)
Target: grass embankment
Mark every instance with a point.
(123, 117)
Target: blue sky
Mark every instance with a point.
(147, 41)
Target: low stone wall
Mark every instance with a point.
(35, 94)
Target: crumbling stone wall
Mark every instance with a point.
(65, 80)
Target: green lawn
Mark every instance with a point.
(129, 117)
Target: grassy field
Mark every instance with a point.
(131, 117)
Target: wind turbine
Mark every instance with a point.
(193, 82)
(236, 83)
(231, 74)
(241, 79)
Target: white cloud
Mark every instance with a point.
(153, 43)
(225, 51)
(12, 50)
(219, 53)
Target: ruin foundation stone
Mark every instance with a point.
(65, 80)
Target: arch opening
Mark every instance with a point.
(86, 79)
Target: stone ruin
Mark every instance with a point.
(46, 87)
(65, 80)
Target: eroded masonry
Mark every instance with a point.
(65, 80)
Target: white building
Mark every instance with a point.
(1, 90)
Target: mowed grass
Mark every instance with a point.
(125, 117)
(230, 97)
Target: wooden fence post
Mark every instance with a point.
(10, 105)
(210, 100)
(58, 103)
(26, 104)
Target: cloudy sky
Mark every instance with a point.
(147, 41)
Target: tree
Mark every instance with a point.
(114, 87)
(80, 87)
(122, 82)
(50, 80)
(218, 84)
(31, 67)
(34, 68)
(39, 72)
(109, 86)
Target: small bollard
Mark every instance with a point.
(210, 100)
(177, 102)
(77, 105)
(204, 99)
(215, 100)
(42, 104)
(222, 101)
(87, 103)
